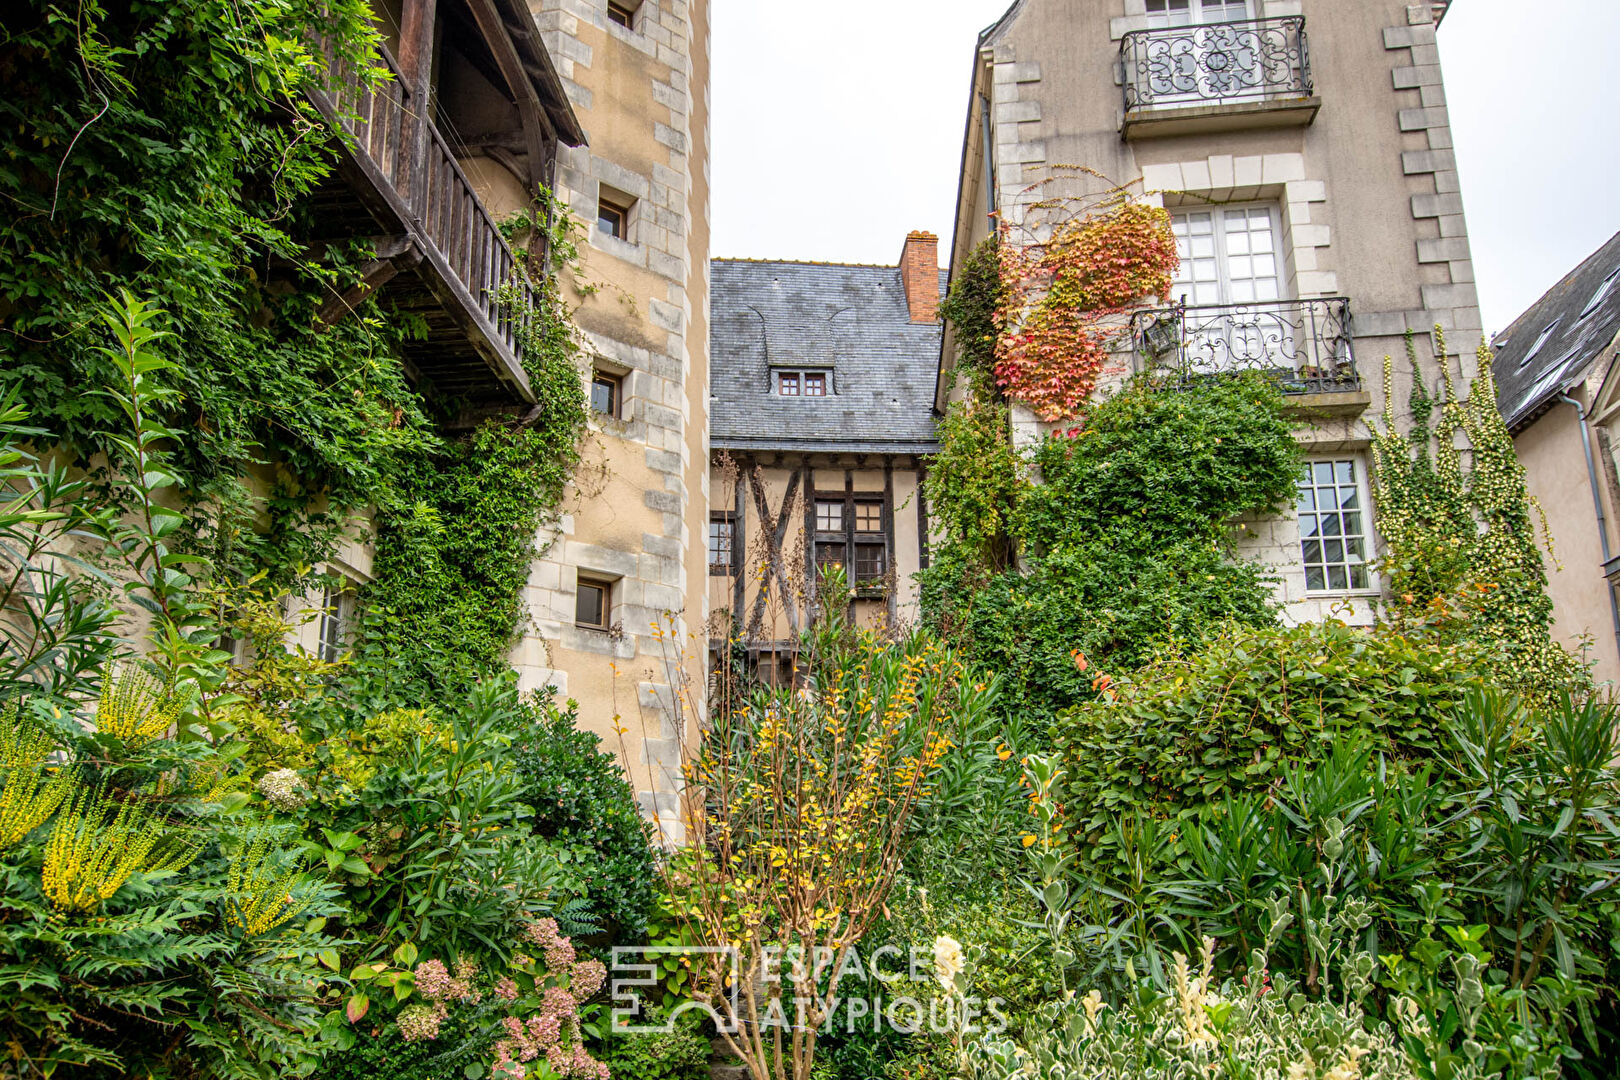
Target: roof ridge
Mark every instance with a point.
(805, 262)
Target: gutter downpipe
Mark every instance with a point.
(1597, 507)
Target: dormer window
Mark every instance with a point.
(1602, 293)
(801, 384)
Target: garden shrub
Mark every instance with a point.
(580, 799)
(681, 1054)
(1231, 714)
(1191, 1024)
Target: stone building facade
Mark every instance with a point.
(821, 428)
(1303, 149)
(614, 617)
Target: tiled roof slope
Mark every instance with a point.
(852, 320)
(1525, 388)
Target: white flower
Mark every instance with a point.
(948, 961)
(282, 789)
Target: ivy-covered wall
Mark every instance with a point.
(169, 150)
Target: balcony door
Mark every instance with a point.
(1231, 283)
(1207, 63)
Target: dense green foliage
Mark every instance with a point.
(158, 912)
(1460, 539)
(1241, 707)
(579, 797)
(682, 1054)
(167, 148)
(1126, 541)
(975, 297)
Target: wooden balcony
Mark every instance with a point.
(438, 253)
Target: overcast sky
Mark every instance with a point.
(838, 128)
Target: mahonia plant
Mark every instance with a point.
(1061, 300)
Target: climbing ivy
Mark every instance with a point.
(1126, 542)
(1460, 544)
(452, 564)
(971, 307)
(170, 150)
(1061, 299)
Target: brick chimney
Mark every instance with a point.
(919, 269)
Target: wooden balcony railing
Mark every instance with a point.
(405, 157)
(376, 115)
(469, 240)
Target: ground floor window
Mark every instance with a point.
(1335, 531)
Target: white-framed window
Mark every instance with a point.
(1164, 13)
(1229, 255)
(1335, 526)
(337, 622)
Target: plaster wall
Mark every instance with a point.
(1555, 465)
(636, 516)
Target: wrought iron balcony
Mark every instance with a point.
(1303, 344)
(1262, 65)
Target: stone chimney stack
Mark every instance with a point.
(919, 269)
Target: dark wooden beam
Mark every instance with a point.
(373, 276)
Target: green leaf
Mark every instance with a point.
(329, 958)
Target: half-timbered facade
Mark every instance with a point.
(821, 429)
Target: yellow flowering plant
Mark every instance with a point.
(806, 792)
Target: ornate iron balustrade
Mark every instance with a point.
(1303, 344)
(1254, 60)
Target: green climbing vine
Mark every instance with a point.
(169, 150)
(452, 564)
(1460, 540)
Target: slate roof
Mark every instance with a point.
(1527, 385)
(851, 320)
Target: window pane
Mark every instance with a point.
(1334, 547)
(829, 517)
(604, 395)
(610, 219)
(868, 517)
(815, 386)
(831, 556)
(590, 605)
(871, 562)
(788, 385)
(720, 544)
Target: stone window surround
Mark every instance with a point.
(1136, 16)
(1225, 178)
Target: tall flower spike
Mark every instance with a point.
(23, 743)
(135, 705)
(27, 800)
(98, 844)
